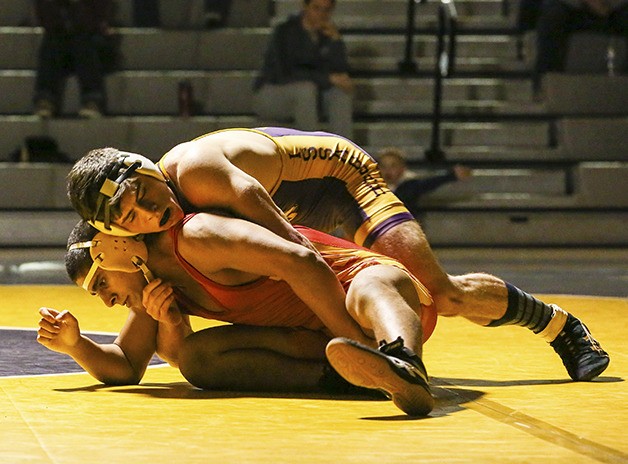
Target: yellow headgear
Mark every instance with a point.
(113, 253)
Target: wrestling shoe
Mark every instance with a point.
(333, 383)
(393, 369)
(581, 354)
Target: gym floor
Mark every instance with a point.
(502, 393)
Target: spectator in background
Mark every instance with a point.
(557, 19)
(305, 75)
(72, 42)
(406, 185)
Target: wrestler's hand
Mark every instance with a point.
(58, 331)
(158, 300)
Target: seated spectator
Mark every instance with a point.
(305, 75)
(557, 19)
(72, 44)
(406, 185)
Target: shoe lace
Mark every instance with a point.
(404, 358)
(576, 340)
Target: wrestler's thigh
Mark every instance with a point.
(293, 342)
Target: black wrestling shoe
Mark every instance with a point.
(333, 383)
(582, 355)
(393, 369)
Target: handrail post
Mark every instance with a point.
(408, 65)
(444, 66)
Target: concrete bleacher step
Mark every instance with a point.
(183, 14)
(513, 134)
(449, 108)
(154, 135)
(508, 226)
(36, 228)
(600, 138)
(230, 92)
(33, 186)
(511, 227)
(542, 181)
(603, 184)
(363, 14)
(496, 154)
(153, 49)
(598, 94)
(392, 14)
(42, 186)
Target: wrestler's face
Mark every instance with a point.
(148, 206)
(123, 288)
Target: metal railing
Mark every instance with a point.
(444, 67)
(408, 65)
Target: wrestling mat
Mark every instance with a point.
(502, 397)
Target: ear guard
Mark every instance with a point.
(127, 165)
(112, 253)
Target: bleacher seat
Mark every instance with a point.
(586, 94)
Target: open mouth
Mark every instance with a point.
(165, 217)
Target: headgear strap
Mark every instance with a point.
(133, 163)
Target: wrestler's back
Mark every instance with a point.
(250, 151)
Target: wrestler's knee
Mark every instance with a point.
(195, 361)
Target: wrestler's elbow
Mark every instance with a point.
(304, 261)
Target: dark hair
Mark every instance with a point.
(78, 261)
(87, 177)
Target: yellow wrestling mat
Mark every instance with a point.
(503, 397)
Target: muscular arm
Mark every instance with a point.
(174, 327)
(213, 244)
(169, 340)
(208, 180)
(119, 363)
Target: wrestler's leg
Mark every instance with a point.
(247, 358)
(489, 301)
(479, 297)
(383, 300)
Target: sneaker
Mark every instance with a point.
(393, 369)
(582, 355)
(45, 109)
(90, 111)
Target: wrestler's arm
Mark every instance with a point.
(159, 302)
(210, 181)
(122, 362)
(213, 243)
